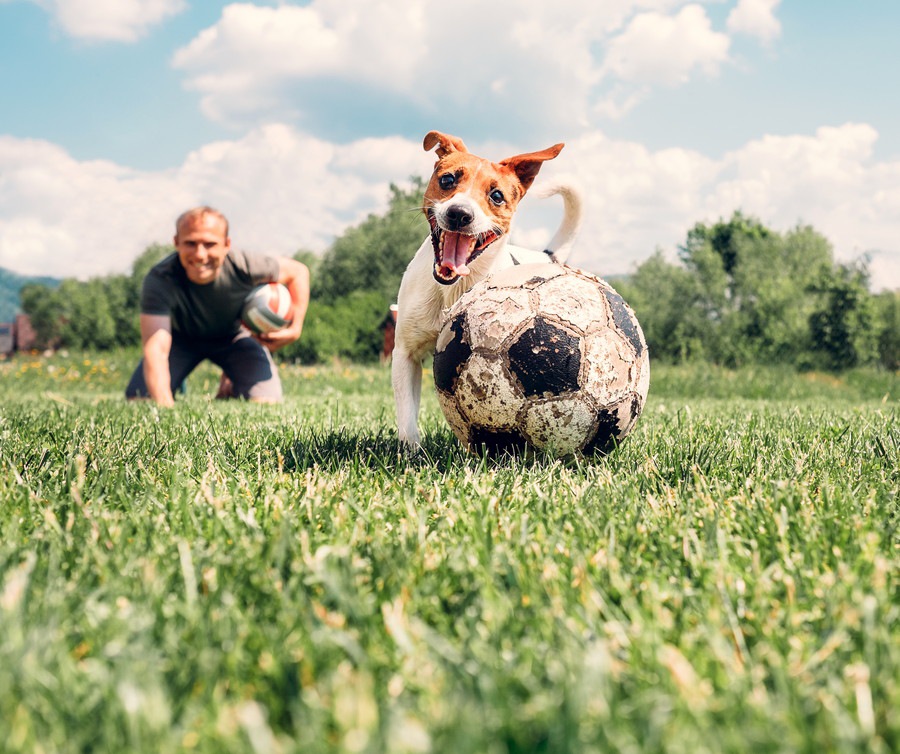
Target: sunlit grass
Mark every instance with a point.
(226, 577)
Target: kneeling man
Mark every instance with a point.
(190, 311)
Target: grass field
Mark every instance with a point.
(224, 577)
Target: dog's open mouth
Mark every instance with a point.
(453, 252)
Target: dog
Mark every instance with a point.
(470, 203)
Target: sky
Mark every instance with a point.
(294, 119)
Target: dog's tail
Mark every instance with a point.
(561, 244)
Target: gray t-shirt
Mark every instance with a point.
(205, 311)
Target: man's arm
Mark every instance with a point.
(295, 276)
(156, 336)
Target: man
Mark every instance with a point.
(190, 311)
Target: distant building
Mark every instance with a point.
(18, 335)
(26, 337)
(7, 342)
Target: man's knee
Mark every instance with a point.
(266, 391)
(253, 372)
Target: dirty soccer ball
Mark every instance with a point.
(545, 356)
(267, 308)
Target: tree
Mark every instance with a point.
(887, 306)
(149, 257)
(373, 255)
(356, 280)
(98, 313)
(716, 254)
(754, 283)
(346, 328)
(843, 325)
(666, 299)
(40, 303)
(123, 300)
(748, 294)
(773, 282)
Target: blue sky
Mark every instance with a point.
(294, 118)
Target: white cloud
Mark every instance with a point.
(63, 217)
(241, 64)
(281, 190)
(884, 269)
(639, 200)
(284, 190)
(755, 18)
(502, 61)
(829, 181)
(110, 20)
(656, 48)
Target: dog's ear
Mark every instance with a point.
(445, 144)
(527, 166)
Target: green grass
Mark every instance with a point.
(224, 577)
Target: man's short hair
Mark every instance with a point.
(200, 212)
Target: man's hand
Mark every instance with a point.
(295, 276)
(280, 338)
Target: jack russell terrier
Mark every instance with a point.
(469, 203)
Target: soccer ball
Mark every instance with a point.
(267, 308)
(541, 355)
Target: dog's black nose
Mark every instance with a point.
(458, 217)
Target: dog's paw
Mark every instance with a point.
(410, 444)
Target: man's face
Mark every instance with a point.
(202, 246)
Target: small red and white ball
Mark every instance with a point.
(267, 308)
(543, 356)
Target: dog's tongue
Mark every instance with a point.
(455, 251)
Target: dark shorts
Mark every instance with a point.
(247, 364)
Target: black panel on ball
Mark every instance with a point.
(494, 442)
(448, 362)
(606, 438)
(546, 359)
(624, 319)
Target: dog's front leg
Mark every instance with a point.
(406, 377)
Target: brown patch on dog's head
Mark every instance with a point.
(445, 143)
(458, 170)
(494, 188)
(526, 166)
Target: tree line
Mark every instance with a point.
(740, 293)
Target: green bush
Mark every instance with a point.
(347, 328)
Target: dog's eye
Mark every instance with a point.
(497, 197)
(447, 181)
